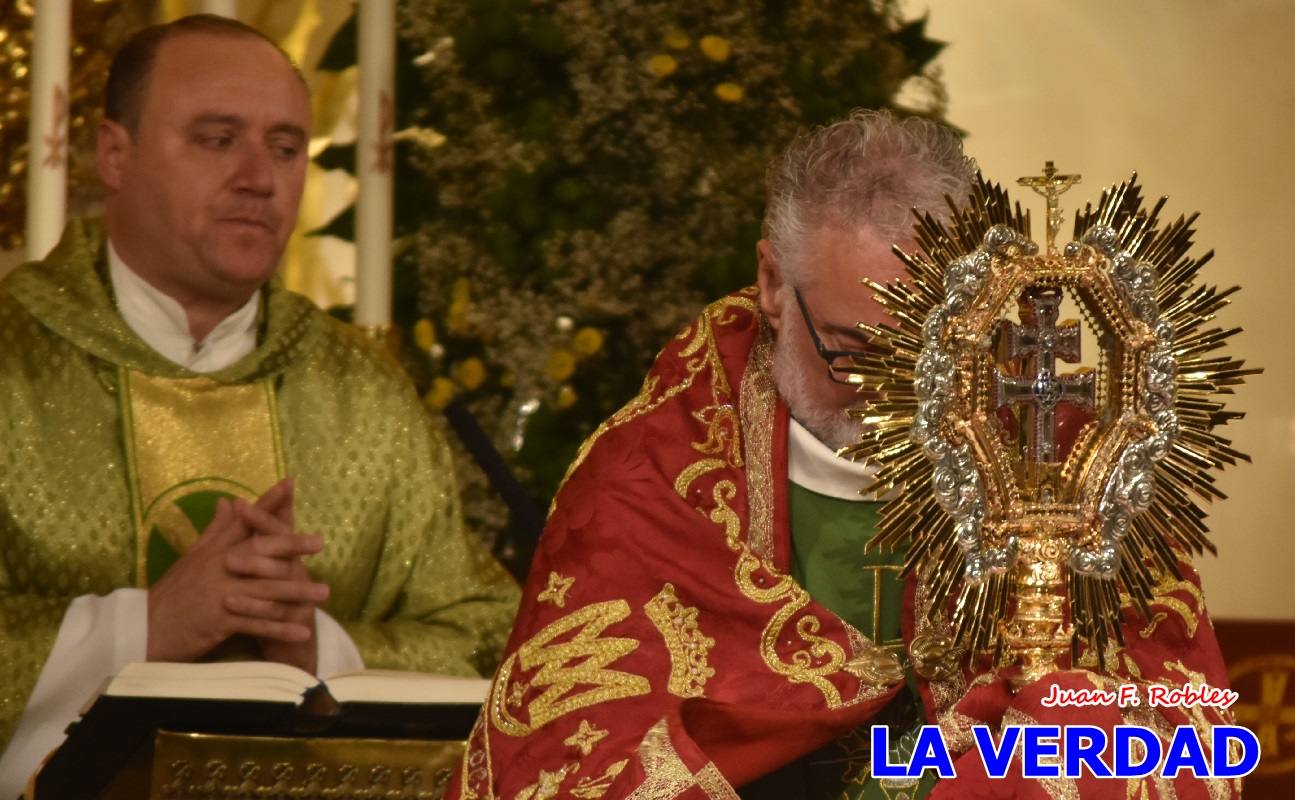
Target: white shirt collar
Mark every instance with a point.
(164, 326)
(815, 466)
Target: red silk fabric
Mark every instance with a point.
(660, 647)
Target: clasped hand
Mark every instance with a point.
(244, 575)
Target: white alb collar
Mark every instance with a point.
(815, 466)
(164, 326)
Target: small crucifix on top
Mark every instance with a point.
(1051, 185)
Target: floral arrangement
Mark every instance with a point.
(578, 179)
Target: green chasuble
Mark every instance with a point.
(827, 540)
(93, 465)
(828, 535)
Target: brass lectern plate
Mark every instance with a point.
(191, 766)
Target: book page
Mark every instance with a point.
(393, 686)
(227, 680)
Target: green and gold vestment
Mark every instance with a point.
(373, 475)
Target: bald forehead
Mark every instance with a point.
(184, 48)
(225, 74)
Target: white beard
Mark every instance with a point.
(831, 426)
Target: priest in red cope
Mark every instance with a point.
(701, 619)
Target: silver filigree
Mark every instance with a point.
(957, 482)
(1130, 488)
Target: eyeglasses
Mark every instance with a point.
(841, 364)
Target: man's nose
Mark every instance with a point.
(255, 172)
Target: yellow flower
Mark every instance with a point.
(662, 65)
(716, 48)
(457, 318)
(470, 372)
(560, 366)
(729, 92)
(677, 40)
(566, 397)
(424, 334)
(460, 304)
(587, 341)
(441, 393)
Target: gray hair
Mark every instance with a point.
(867, 169)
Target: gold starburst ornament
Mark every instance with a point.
(1049, 419)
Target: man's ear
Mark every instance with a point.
(769, 280)
(112, 148)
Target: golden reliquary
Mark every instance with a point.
(1048, 419)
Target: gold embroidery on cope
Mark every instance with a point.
(956, 728)
(586, 737)
(586, 651)
(475, 769)
(758, 401)
(817, 656)
(1111, 655)
(1150, 628)
(724, 515)
(687, 645)
(822, 657)
(556, 591)
(1163, 596)
(666, 776)
(591, 788)
(1131, 666)
(1217, 788)
(1189, 616)
(517, 694)
(811, 665)
(898, 788)
(547, 785)
(1198, 716)
(651, 396)
(711, 781)
(1170, 584)
(694, 471)
(722, 436)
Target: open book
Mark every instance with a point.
(266, 681)
(252, 698)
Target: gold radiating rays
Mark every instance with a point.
(1151, 545)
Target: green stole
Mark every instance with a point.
(190, 442)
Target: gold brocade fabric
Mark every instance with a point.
(373, 475)
(190, 441)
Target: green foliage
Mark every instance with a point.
(600, 177)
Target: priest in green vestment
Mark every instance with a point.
(194, 462)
